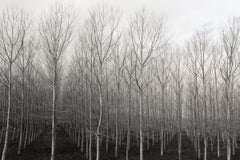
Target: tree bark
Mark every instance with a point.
(140, 124)
(129, 121)
(22, 113)
(54, 99)
(99, 122)
(4, 152)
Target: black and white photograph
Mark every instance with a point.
(120, 79)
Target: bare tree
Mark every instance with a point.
(84, 52)
(230, 40)
(201, 48)
(163, 76)
(13, 29)
(146, 35)
(192, 60)
(119, 62)
(177, 74)
(128, 78)
(55, 31)
(24, 62)
(216, 57)
(102, 30)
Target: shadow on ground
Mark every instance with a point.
(40, 149)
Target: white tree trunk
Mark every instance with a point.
(4, 152)
(54, 98)
(140, 125)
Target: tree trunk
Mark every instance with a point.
(179, 146)
(228, 148)
(107, 136)
(22, 112)
(140, 125)
(148, 123)
(53, 113)
(128, 122)
(4, 152)
(198, 146)
(218, 145)
(99, 122)
(205, 147)
(90, 118)
(116, 121)
(163, 119)
(180, 128)
(82, 138)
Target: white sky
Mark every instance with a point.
(183, 16)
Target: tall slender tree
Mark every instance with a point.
(102, 32)
(146, 36)
(13, 29)
(56, 33)
(231, 42)
(177, 74)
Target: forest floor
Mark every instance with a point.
(40, 149)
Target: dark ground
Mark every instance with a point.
(66, 150)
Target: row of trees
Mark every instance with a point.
(125, 84)
(21, 85)
(213, 87)
(27, 81)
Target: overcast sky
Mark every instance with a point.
(183, 16)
